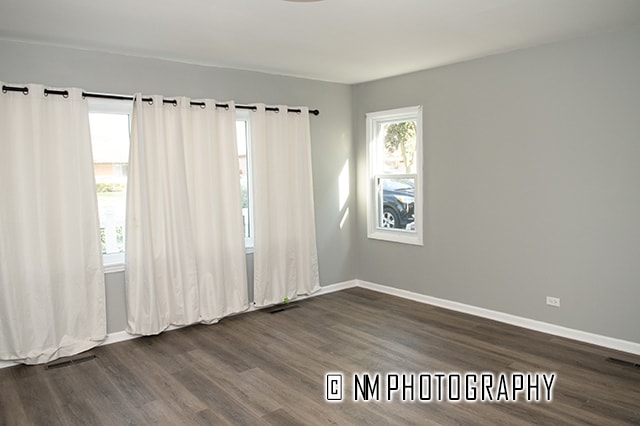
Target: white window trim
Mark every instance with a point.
(373, 230)
(243, 115)
(113, 262)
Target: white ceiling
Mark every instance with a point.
(346, 41)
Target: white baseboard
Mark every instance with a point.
(336, 287)
(121, 336)
(556, 330)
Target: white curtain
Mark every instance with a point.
(285, 258)
(185, 255)
(51, 276)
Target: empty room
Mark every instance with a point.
(343, 212)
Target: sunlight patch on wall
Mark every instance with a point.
(344, 218)
(343, 186)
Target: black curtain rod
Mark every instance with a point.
(65, 93)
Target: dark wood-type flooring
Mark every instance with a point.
(262, 368)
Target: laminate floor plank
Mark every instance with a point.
(262, 368)
(155, 383)
(12, 410)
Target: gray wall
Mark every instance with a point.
(330, 131)
(532, 184)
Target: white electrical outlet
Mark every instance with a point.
(553, 301)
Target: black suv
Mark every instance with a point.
(398, 203)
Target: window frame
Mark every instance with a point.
(115, 262)
(112, 262)
(374, 123)
(244, 116)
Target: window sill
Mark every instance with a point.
(397, 236)
(113, 268)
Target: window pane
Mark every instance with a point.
(241, 132)
(396, 203)
(397, 144)
(110, 142)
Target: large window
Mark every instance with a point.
(110, 122)
(394, 150)
(110, 129)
